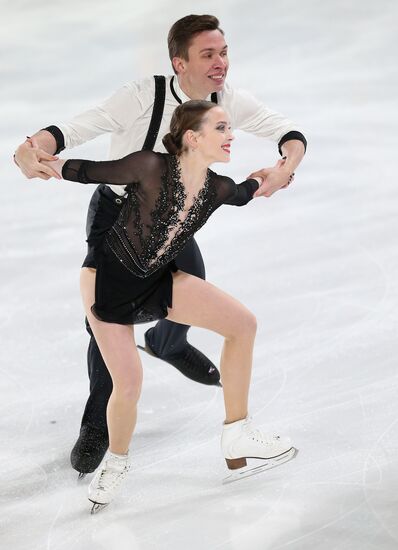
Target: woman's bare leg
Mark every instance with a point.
(195, 302)
(117, 346)
(199, 303)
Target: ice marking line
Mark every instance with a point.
(345, 333)
(321, 528)
(367, 498)
(276, 394)
(179, 453)
(52, 526)
(23, 389)
(38, 492)
(250, 527)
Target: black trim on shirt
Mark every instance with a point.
(58, 136)
(173, 91)
(292, 135)
(214, 97)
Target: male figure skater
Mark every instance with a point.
(138, 116)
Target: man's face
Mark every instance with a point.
(207, 65)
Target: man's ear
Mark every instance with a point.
(178, 64)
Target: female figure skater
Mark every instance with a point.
(168, 198)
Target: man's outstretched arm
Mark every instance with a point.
(115, 114)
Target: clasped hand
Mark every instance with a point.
(34, 162)
(274, 178)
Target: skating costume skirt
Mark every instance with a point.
(120, 296)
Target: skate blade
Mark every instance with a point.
(266, 464)
(97, 506)
(147, 350)
(81, 475)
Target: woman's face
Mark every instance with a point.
(214, 138)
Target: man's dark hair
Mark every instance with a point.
(184, 30)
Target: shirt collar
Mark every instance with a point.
(180, 94)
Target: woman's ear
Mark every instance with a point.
(191, 140)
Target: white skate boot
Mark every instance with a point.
(241, 441)
(107, 480)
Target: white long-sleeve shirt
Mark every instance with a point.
(127, 114)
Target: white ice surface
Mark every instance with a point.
(318, 264)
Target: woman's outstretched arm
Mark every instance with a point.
(241, 193)
(129, 169)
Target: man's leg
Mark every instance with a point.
(168, 340)
(93, 440)
(100, 386)
(92, 443)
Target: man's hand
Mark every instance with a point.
(274, 178)
(28, 158)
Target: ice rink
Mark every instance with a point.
(317, 264)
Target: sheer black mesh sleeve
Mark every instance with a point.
(133, 168)
(239, 194)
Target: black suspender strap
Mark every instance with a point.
(214, 98)
(173, 90)
(157, 113)
(158, 108)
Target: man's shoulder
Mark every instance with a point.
(145, 84)
(142, 90)
(231, 92)
(237, 98)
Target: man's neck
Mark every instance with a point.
(188, 90)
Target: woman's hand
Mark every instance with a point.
(30, 160)
(55, 166)
(274, 178)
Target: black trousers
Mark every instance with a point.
(166, 338)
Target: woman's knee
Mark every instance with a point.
(245, 325)
(128, 387)
(249, 323)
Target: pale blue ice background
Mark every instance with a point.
(318, 264)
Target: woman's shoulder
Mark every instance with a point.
(224, 185)
(221, 180)
(151, 159)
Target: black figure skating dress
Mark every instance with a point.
(134, 256)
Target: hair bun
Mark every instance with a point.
(170, 144)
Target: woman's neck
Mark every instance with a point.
(193, 170)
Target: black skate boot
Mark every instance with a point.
(191, 362)
(89, 450)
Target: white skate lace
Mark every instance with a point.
(257, 435)
(111, 476)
